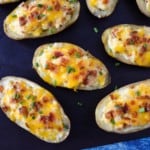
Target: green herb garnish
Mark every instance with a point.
(16, 96)
(141, 110)
(95, 29)
(40, 5)
(112, 121)
(14, 16)
(138, 93)
(79, 104)
(37, 64)
(117, 64)
(70, 69)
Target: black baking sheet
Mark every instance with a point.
(16, 59)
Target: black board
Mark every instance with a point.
(16, 59)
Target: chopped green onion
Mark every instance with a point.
(117, 64)
(16, 96)
(70, 69)
(112, 121)
(37, 64)
(79, 104)
(49, 8)
(141, 110)
(14, 16)
(100, 73)
(40, 5)
(138, 93)
(95, 29)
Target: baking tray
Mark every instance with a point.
(16, 59)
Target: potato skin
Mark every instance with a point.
(99, 12)
(40, 29)
(129, 104)
(8, 1)
(69, 66)
(128, 43)
(24, 105)
(142, 7)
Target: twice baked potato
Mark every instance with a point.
(144, 6)
(128, 43)
(67, 65)
(125, 110)
(34, 109)
(101, 8)
(7, 1)
(39, 18)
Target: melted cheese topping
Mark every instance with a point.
(34, 109)
(39, 17)
(128, 107)
(130, 42)
(67, 65)
(101, 4)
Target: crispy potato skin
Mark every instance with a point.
(102, 111)
(120, 40)
(100, 13)
(142, 7)
(21, 109)
(46, 28)
(82, 76)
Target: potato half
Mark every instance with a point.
(101, 8)
(125, 110)
(67, 65)
(7, 1)
(128, 43)
(40, 18)
(34, 109)
(144, 6)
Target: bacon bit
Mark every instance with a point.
(64, 61)
(125, 125)
(34, 15)
(105, 1)
(91, 73)
(114, 32)
(1, 88)
(51, 66)
(148, 108)
(134, 114)
(113, 96)
(125, 108)
(47, 119)
(46, 99)
(24, 111)
(51, 117)
(5, 108)
(27, 125)
(126, 118)
(22, 21)
(37, 106)
(18, 87)
(109, 115)
(58, 54)
(57, 5)
(72, 51)
(142, 50)
(144, 97)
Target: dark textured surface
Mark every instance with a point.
(16, 59)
